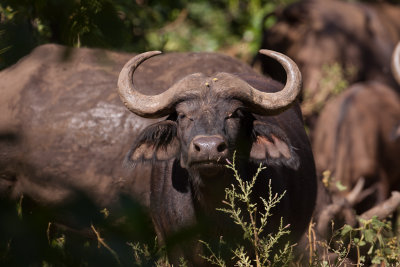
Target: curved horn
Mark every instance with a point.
(262, 102)
(396, 63)
(151, 106)
(155, 106)
(132, 99)
(283, 98)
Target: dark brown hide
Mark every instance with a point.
(356, 136)
(359, 37)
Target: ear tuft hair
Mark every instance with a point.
(271, 146)
(157, 142)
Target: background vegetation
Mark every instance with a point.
(233, 26)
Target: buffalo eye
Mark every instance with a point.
(238, 113)
(181, 116)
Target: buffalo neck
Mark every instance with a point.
(209, 190)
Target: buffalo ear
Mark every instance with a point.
(157, 142)
(271, 146)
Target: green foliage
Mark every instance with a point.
(372, 242)
(377, 239)
(31, 236)
(146, 256)
(334, 79)
(180, 25)
(263, 246)
(121, 239)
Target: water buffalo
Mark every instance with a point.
(358, 37)
(208, 118)
(64, 133)
(358, 135)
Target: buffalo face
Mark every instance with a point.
(209, 130)
(211, 117)
(203, 133)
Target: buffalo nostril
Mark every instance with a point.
(208, 146)
(221, 147)
(197, 148)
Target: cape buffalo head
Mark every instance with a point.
(211, 117)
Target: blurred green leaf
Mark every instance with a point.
(346, 229)
(232, 26)
(369, 235)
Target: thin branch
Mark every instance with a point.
(100, 241)
(343, 206)
(352, 197)
(384, 209)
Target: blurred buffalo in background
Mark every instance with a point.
(357, 136)
(335, 43)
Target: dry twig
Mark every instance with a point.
(384, 209)
(100, 241)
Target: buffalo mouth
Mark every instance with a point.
(208, 167)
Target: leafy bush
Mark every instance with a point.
(376, 238)
(261, 252)
(181, 25)
(122, 238)
(372, 242)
